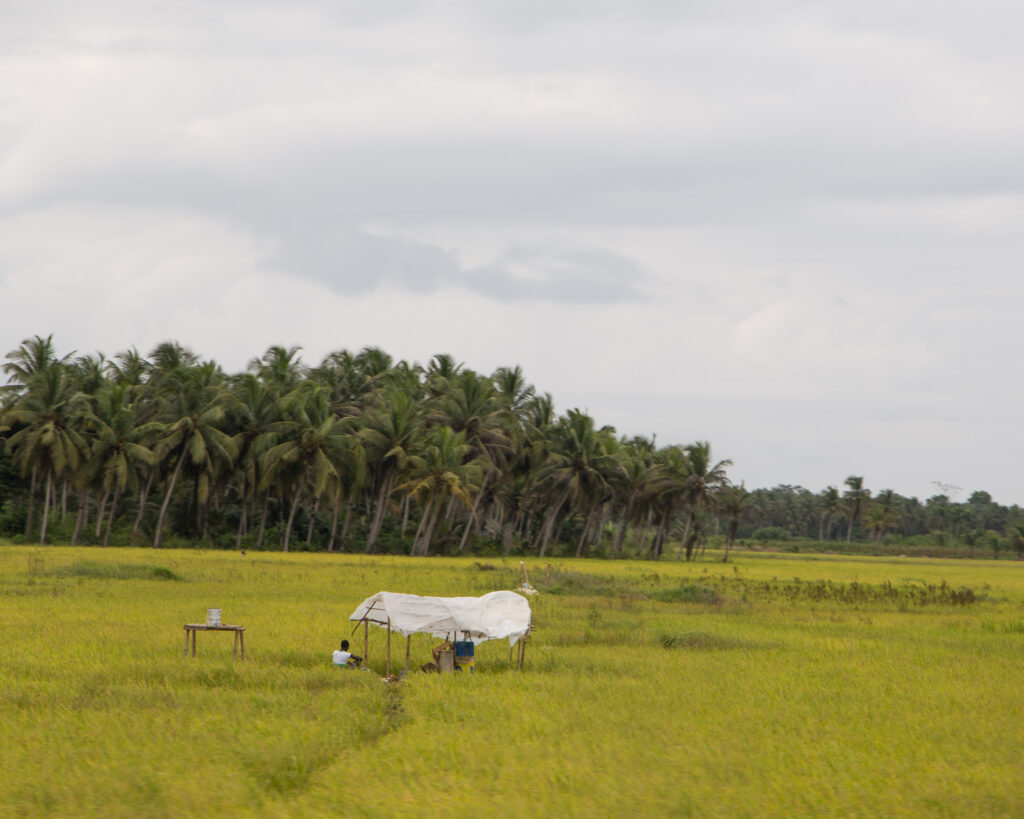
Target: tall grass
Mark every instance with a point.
(660, 689)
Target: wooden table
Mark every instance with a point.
(192, 628)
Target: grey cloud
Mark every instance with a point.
(559, 272)
(355, 261)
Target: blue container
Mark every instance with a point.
(465, 655)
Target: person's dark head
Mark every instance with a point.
(344, 645)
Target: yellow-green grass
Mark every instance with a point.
(765, 697)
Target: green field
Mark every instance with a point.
(772, 686)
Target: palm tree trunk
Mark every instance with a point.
(334, 525)
(113, 511)
(158, 537)
(63, 500)
(730, 535)
(406, 506)
(549, 522)
(31, 501)
(587, 521)
(101, 513)
(349, 510)
(427, 512)
(46, 509)
(291, 517)
(312, 520)
(428, 532)
(476, 504)
(620, 533)
(263, 519)
(378, 515)
(143, 497)
(83, 502)
(686, 537)
(242, 522)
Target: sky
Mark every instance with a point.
(792, 229)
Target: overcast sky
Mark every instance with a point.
(793, 229)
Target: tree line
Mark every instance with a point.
(365, 453)
(852, 513)
(360, 452)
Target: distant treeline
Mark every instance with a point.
(362, 452)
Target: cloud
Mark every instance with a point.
(559, 272)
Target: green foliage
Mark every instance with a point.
(770, 533)
(687, 593)
(115, 571)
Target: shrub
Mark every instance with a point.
(771, 533)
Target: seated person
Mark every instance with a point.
(344, 657)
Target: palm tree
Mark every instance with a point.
(128, 367)
(471, 407)
(704, 480)
(734, 501)
(313, 441)
(631, 481)
(279, 369)
(46, 442)
(514, 394)
(117, 453)
(190, 432)
(254, 408)
(856, 496)
(577, 470)
(882, 515)
(438, 472)
(31, 358)
(831, 506)
(389, 432)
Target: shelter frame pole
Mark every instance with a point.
(388, 674)
(408, 640)
(366, 641)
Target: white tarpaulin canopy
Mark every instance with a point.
(494, 616)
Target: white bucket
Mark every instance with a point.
(213, 617)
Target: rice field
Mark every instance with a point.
(776, 685)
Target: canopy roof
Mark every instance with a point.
(494, 616)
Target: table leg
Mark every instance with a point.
(234, 649)
(241, 638)
(194, 632)
(186, 642)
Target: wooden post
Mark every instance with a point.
(186, 641)
(388, 674)
(194, 632)
(408, 640)
(234, 648)
(366, 642)
(241, 636)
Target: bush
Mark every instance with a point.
(771, 533)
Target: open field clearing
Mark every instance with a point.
(772, 686)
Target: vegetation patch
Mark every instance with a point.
(904, 594)
(582, 584)
(688, 593)
(115, 571)
(699, 640)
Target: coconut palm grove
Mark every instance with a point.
(363, 453)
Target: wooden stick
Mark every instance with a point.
(388, 674)
(366, 641)
(408, 640)
(186, 641)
